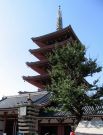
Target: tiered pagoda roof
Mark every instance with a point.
(46, 44)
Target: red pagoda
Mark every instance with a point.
(46, 44)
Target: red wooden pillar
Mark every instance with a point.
(60, 130)
(14, 126)
(5, 120)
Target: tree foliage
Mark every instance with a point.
(68, 72)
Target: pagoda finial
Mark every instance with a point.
(59, 19)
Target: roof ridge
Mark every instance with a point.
(26, 94)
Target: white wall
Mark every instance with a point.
(95, 126)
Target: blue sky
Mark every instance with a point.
(22, 19)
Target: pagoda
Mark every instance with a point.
(46, 44)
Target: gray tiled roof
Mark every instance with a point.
(43, 98)
(14, 101)
(88, 111)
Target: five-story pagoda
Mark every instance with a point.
(46, 44)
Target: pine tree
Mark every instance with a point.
(69, 68)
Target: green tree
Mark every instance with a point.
(68, 70)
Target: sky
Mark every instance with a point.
(22, 19)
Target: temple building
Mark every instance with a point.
(24, 114)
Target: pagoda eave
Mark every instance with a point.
(41, 52)
(37, 63)
(39, 66)
(40, 44)
(39, 81)
(54, 35)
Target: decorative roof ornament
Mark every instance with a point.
(29, 101)
(59, 19)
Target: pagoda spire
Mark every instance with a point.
(59, 19)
